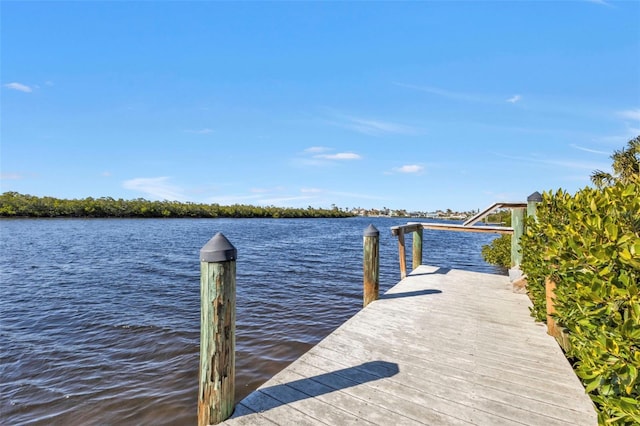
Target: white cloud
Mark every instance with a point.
(316, 149)
(514, 99)
(369, 126)
(631, 114)
(461, 96)
(567, 164)
(157, 188)
(409, 168)
(339, 156)
(619, 139)
(106, 174)
(322, 157)
(10, 176)
(19, 87)
(204, 131)
(376, 127)
(593, 151)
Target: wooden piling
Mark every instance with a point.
(417, 248)
(553, 329)
(217, 331)
(402, 254)
(517, 223)
(371, 264)
(550, 291)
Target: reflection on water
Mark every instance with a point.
(99, 319)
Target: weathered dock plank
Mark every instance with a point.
(443, 347)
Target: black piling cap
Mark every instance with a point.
(536, 196)
(218, 249)
(371, 231)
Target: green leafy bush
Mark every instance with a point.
(498, 252)
(589, 244)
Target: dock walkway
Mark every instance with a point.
(442, 347)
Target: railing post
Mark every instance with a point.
(517, 223)
(217, 330)
(371, 264)
(553, 329)
(401, 254)
(417, 248)
(532, 204)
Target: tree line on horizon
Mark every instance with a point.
(14, 204)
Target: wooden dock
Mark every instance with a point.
(443, 347)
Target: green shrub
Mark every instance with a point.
(589, 244)
(498, 252)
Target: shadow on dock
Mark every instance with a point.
(439, 271)
(410, 294)
(271, 397)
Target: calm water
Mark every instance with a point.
(100, 319)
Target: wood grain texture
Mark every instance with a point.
(416, 259)
(371, 268)
(402, 255)
(410, 227)
(217, 341)
(442, 347)
(461, 228)
(517, 223)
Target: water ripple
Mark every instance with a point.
(100, 319)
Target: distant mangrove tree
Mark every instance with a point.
(13, 204)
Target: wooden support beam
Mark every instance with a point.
(371, 264)
(550, 293)
(462, 228)
(401, 254)
(216, 391)
(410, 227)
(517, 223)
(560, 333)
(416, 259)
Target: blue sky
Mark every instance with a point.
(412, 105)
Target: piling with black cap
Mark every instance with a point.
(217, 330)
(532, 203)
(371, 263)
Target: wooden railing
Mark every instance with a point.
(516, 230)
(416, 229)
